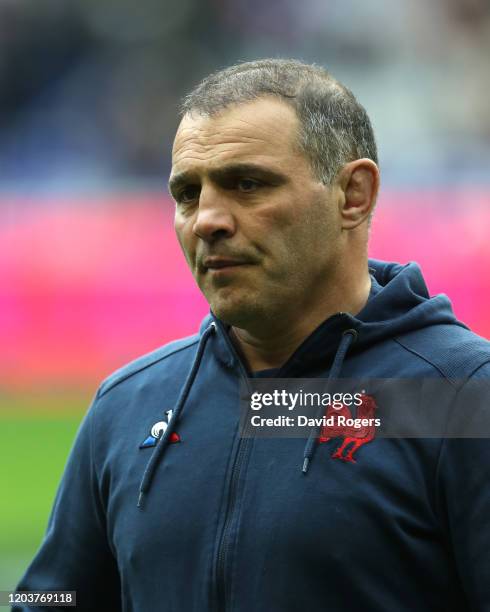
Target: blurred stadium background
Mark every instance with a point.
(91, 276)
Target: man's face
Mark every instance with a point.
(260, 233)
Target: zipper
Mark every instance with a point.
(225, 535)
(241, 455)
(225, 541)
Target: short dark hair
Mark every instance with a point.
(335, 128)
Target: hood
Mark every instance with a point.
(399, 303)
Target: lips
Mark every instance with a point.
(217, 263)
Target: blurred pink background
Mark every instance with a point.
(89, 283)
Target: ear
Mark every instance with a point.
(359, 182)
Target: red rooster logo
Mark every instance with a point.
(354, 437)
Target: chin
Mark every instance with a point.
(234, 310)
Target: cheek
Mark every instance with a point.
(305, 232)
(185, 236)
(278, 218)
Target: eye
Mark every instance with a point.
(247, 185)
(188, 194)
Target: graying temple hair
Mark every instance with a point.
(335, 128)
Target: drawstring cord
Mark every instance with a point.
(162, 443)
(348, 337)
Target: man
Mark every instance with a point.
(163, 504)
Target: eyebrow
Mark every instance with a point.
(227, 172)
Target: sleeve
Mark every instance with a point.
(464, 494)
(75, 554)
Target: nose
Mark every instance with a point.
(214, 218)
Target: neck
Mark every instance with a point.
(271, 345)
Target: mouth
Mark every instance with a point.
(222, 264)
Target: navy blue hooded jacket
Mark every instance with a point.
(200, 519)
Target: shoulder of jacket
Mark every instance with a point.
(147, 361)
(454, 350)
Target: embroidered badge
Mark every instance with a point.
(354, 437)
(157, 432)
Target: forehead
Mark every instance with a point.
(263, 130)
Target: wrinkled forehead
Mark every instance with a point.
(265, 126)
